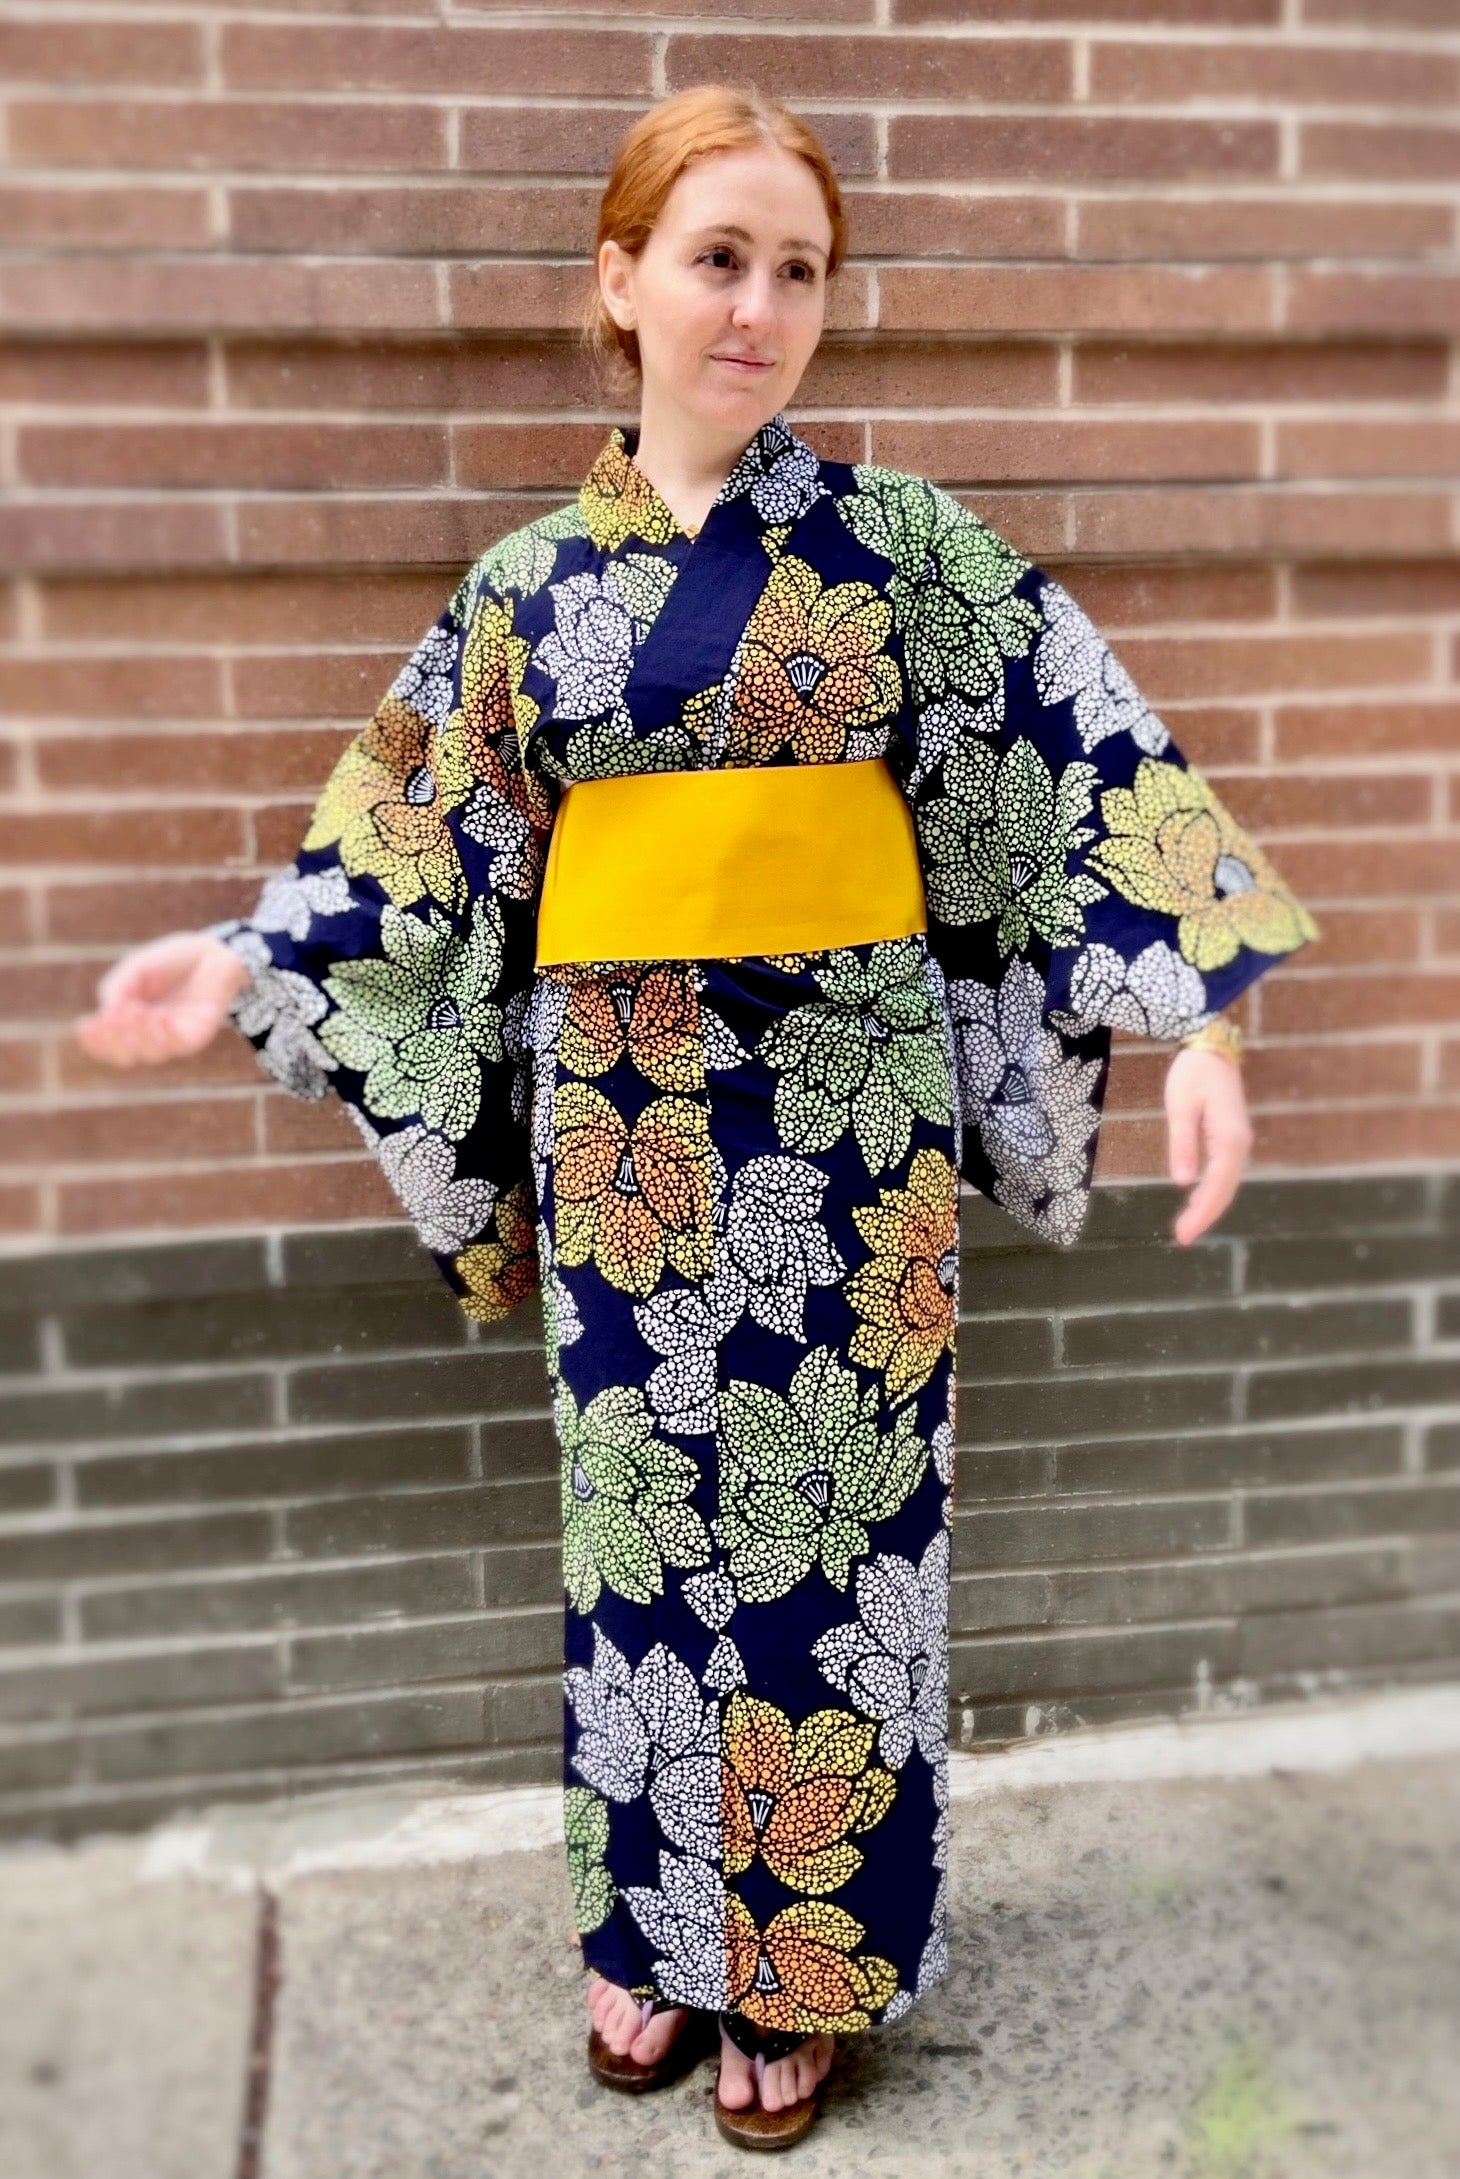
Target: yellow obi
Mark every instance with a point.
(759, 858)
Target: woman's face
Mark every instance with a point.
(735, 267)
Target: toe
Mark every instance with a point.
(737, 2077)
(653, 2040)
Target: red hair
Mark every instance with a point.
(705, 118)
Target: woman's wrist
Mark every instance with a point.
(1220, 1034)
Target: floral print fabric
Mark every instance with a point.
(734, 1182)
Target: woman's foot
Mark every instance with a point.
(615, 2013)
(787, 2080)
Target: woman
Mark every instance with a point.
(754, 844)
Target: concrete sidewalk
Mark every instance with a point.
(1171, 1960)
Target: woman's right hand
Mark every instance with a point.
(163, 1001)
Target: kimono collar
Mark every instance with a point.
(777, 468)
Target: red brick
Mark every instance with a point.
(1211, 520)
(1383, 14)
(1259, 371)
(1304, 731)
(377, 219)
(1067, 148)
(1362, 936)
(434, 375)
(1270, 801)
(238, 608)
(1393, 588)
(228, 1062)
(1368, 302)
(1369, 869)
(20, 1065)
(122, 837)
(444, 532)
(539, 139)
(210, 294)
(1295, 74)
(314, 684)
(1390, 151)
(20, 1210)
(42, 990)
(294, 1128)
(161, 218)
(16, 915)
(232, 1195)
(931, 223)
(1070, 299)
(228, 133)
(188, 762)
(257, 456)
(161, 1131)
(278, 831)
(1042, 450)
(111, 534)
(1391, 1000)
(81, 914)
(1010, 71)
(100, 687)
(1133, 596)
(1259, 661)
(1266, 227)
(111, 53)
(447, 58)
(150, 374)
(1368, 446)
(1188, 14)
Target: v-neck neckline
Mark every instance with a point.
(644, 512)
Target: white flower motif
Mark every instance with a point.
(589, 651)
(1073, 660)
(892, 1661)
(290, 900)
(651, 1726)
(726, 1667)
(427, 679)
(711, 1597)
(774, 1243)
(685, 1919)
(1157, 994)
(282, 1007)
(421, 1167)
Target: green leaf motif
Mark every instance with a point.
(585, 1833)
(625, 1498)
(802, 1476)
(421, 1023)
(997, 840)
(866, 1055)
(952, 590)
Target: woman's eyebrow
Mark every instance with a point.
(741, 234)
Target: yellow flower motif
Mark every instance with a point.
(800, 1972)
(633, 1197)
(905, 1292)
(499, 1274)
(811, 667)
(619, 502)
(792, 1795)
(1173, 846)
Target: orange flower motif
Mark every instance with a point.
(792, 1796)
(800, 1972)
(653, 1014)
(498, 1274)
(632, 1197)
(385, 807)
(812, 666)
(905, 1292)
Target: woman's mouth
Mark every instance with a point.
(743, 363)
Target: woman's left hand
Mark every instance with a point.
(1206, 1107)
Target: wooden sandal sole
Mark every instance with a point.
(626, 2073)
(754, 2128)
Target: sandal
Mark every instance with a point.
(617, 2070)
(754, 2127)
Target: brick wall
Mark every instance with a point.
(275, 1518)
(1168, 289)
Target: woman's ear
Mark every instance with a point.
(615, 280)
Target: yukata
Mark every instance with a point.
(733, 1181)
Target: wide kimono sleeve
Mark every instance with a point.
(1082, 875)
(393, 961)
